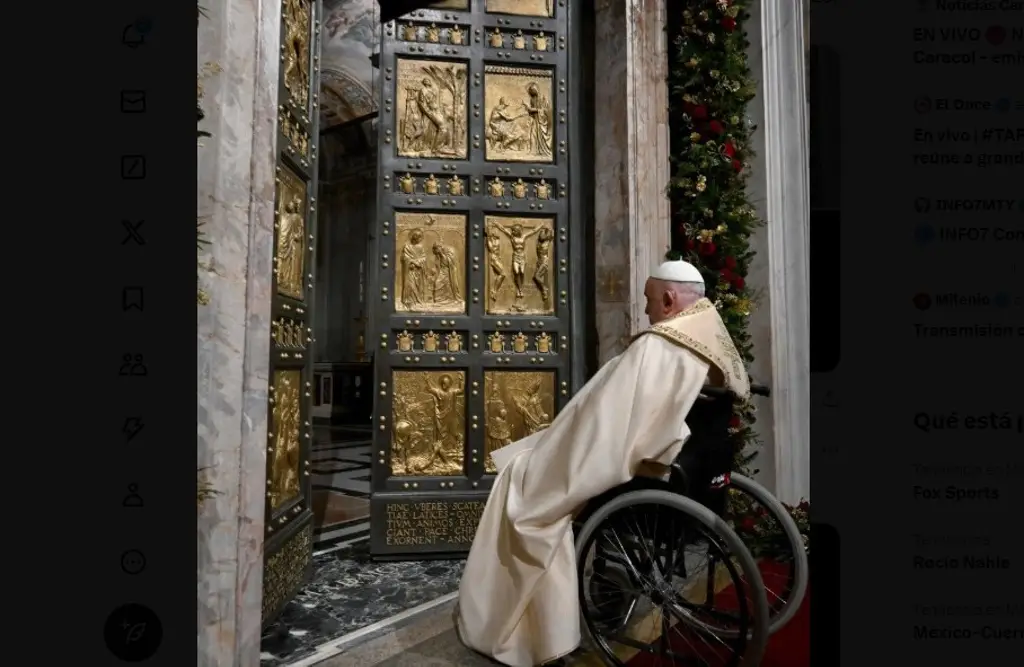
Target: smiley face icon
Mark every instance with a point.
(133, 561)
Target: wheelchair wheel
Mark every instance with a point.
(644, 587)
(784, 567)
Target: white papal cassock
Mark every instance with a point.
(518, 596)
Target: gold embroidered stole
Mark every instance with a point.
(701, 330)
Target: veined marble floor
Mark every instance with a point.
(348, 591)
(341, 485)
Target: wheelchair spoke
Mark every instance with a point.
(647, 584)
(627, 561)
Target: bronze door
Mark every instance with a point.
(474, 252)
(288, 536)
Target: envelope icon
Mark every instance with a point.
(133, 101)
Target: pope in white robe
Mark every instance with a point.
(518, 598)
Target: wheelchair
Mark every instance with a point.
(662, 568)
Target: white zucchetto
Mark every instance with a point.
(677, 271)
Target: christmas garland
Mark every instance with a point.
(711, 86)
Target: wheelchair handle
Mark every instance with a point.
(718, 392)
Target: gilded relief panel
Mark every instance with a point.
(431, 107)
(287, 421)
(450, 4)
(289, 334)
(285, 569)
(290, 258)
(295, 51)
(517, 404)
(520, 122)
(428, 432)
(519, 275)
(522, 7)
(430, 276)
(297, 138)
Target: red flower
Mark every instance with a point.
(737, 165)
(730, 263)
(717, 128)
(707, 249)
(747, 523)
(729, 149)
(700, 112)
(734, 421)
(690, 244)
(804, 505)
(738, 282)
(688, 108)
(729, 23)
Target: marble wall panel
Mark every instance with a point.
(611, 186)
(631, 209)
(235, 197)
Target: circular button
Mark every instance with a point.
(133, 633)
(133, 561)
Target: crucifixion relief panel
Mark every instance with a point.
(473, 285)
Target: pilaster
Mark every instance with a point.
(631, 209)
(235, 199)
(786, 154)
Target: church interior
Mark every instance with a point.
(469, 265)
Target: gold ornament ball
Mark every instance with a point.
(694, 137)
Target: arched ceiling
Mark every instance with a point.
(347, 78)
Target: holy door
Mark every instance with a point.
(474, 257)
(288, 538)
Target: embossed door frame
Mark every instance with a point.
(288, 525)
(564, 328)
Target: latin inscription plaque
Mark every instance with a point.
(419, 525)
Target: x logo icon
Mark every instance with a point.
(133, 232)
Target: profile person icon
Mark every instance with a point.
(133, 365)
(133, 499)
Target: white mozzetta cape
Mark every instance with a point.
(518, 596)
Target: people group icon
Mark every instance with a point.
(133, 365)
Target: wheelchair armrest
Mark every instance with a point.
(678, 479)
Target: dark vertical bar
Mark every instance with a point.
(824, 594)
(825, 159)
(581, 211)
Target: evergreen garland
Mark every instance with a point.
(713, 219)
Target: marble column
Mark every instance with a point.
(631, 209)
(787, 180)
(239, 43)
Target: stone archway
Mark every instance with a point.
(344, 97)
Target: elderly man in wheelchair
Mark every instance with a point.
(615, 520)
